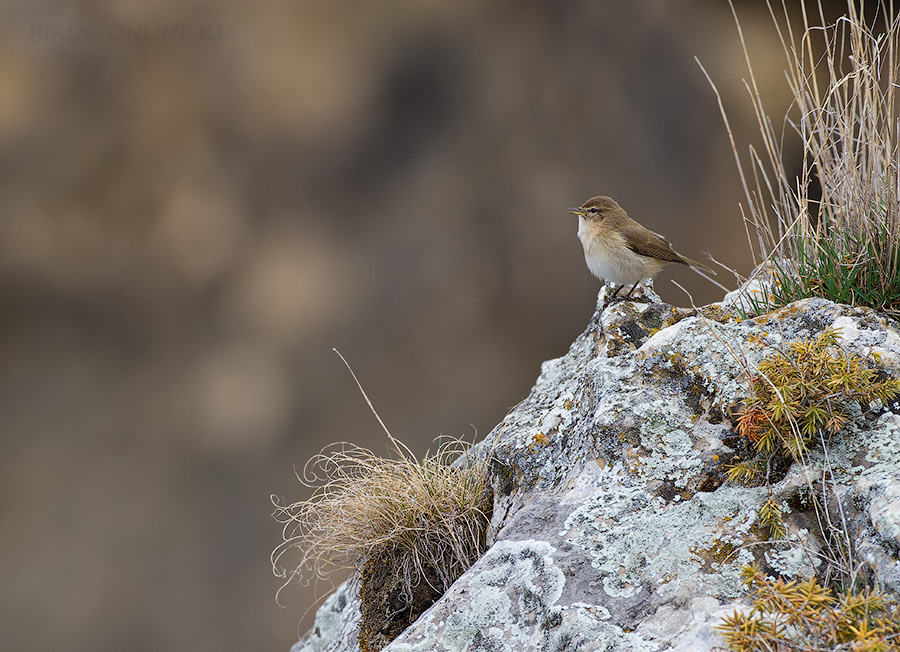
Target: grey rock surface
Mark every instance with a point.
(614, 527)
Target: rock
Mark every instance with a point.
(614, 527)
(336, 624)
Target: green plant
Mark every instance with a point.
(800, 396)
(804, 616)
(844, 246)
(770, 517)
(408, 527)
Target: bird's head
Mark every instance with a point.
(597, 209)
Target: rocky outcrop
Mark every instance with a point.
(614, 526)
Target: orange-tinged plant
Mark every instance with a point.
(804, 616)
(801, 394)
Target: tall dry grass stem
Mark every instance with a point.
(842, 131)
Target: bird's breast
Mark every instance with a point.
(609, 258)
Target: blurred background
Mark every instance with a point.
(198, 200)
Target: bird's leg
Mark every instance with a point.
(615, 292)
(631, 290)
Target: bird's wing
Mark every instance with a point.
(658, 247)
(653, 245)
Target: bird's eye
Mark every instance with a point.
(593, 211)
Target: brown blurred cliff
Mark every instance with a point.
(199, 200)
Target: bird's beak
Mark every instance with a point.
(577, 211)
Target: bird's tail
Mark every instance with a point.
(697, 267)
(703, 271)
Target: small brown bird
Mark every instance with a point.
(620, 250)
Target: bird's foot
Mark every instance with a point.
(615, 298)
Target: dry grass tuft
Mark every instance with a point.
(843, 77)
(407, 527)
(427, 517)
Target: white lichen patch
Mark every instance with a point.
(883, 440)
(516, 581)
(335, 628)
(870, 338)
(635, 539)
(884, 513)
(793, 561)
(879, 493)
(713, 353)
(663, 428)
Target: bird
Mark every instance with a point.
(619, 249)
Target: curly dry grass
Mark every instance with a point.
(427, 515)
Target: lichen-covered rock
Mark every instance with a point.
(614, 527)
(337, 623)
